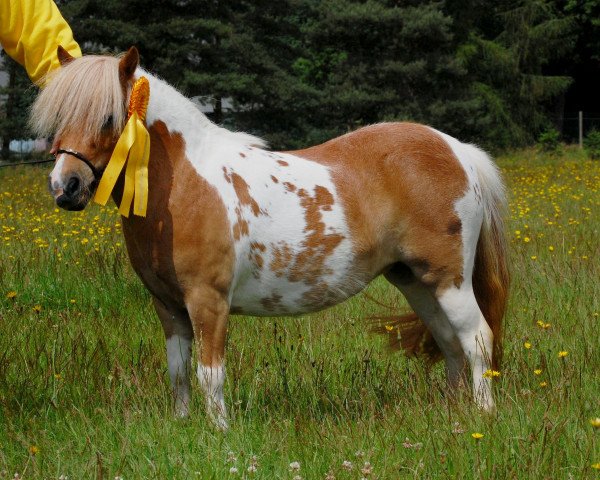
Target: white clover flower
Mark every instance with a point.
(295, 466)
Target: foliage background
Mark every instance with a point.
(497, 73)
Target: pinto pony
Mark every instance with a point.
(232, 228)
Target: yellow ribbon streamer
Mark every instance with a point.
(133, 148)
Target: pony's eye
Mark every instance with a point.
(108, 123)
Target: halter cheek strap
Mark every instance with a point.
(79, 156)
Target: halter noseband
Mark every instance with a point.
(79, 156)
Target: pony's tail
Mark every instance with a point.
(491, 277)
(409, 333)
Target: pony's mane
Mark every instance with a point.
(81, 96)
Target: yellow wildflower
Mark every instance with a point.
(595, 422)
(37, 308)
(389, 328)
(12, 294)
(543, 384)
(538, 371)
(34, 450)
(562, 354)
(527, 345)
(477, 435)
(596, 466)
(491, 373)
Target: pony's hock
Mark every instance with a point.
(232, 228)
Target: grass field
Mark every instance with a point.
(84, 390)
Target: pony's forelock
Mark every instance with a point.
(81, 96)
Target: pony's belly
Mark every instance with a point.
(264, 298)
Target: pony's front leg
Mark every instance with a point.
(179, 336)
(209, 309)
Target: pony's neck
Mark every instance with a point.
(174, 110)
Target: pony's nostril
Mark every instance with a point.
(72, 187)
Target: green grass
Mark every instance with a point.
(84, 390)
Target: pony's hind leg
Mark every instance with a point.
(179, 336)
(475, 336)
(422, 300)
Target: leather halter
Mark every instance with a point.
(79, 156)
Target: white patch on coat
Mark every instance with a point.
(179, 351)
(211, 381)
(215, 153)
(56, 173)
(485, 192)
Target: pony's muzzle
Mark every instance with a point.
(71, 197)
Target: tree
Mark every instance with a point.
(509, 65)
(15, 99)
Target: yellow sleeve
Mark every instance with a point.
(31, 31)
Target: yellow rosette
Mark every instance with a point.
(133, 149)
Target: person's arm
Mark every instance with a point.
(31, 31)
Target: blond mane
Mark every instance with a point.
(80, 96)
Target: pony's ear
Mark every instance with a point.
(64, 57)
(128, 63)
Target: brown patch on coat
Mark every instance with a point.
(281, 258)
(455, 226)
(283, 163)
(243, 155)
(271, 303)
(242, 190)
(254, 255)
(274, 178)
(290, 187)
(309, 263)
(241, 227)
(399, 199)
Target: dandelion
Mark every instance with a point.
(537, 371)
(477, 435)
(389, 328)
(37, 308)
(58, 376)
(295, 466)
(562, 354)
(491, 374)
(34, 449)
(595, 422)
(596, 466)
(347, 465)
(543, 325)
(543, 384)
(526, 239)
(12, 294)
(551, 248)
(73, 301)
(527, 345)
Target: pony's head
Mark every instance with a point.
(84, 106)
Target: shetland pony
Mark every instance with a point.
(233, 228)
